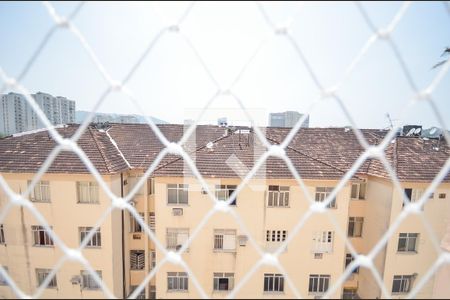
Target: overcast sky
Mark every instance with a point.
(172, 85)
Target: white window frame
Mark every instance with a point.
(40, 192)
(137, 260)
(409, 237)
(356, 221)
(223, 192)
(217, 277)
(225, 240)
(41, 274)
(87, 192)
(152, 221)
(176, 237)
(179, 189)
(96, 240)
(323, 242)
(358, 191)
(322, 192)
(135, 227)
(276, 236)
(273, 283)
(88, 282)
(320, 284)
(406, 282)
(2, 235)
(278, 196)
(177, 282)
(39, 233)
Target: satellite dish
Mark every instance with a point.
(417, 131)
(433, 130)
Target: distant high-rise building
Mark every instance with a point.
(18, 116)
(287, 119)
(222, 122)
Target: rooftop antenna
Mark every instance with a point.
(390, 120)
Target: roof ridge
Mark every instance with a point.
(309, 156)
(99, 149)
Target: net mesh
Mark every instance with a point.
(271, 259)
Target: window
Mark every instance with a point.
(177, 282)
(350, 293)
(41, 191)
(88, 282)
(402, 284)
(224, 239)
(96, 240)
(41, 237)
(318, 284)
(176, 237)
(137, 259)
(87, 192)
(223, 193)
(177, 193)
(152, 221)
(276, 235)
(141, 295)
(151, 186)
(223, 281)
(278, 196)
(134, 225)
(152, 292)
(323, 242)
(322, 193)
(413, 195)
(442, 195)
(348, 259)
(2, 235)
(407, 242)
(41, 274)
(355, 226)
(152, 259)
(2, 279)
(273, 283)
(358, 191)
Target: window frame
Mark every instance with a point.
(177, 232)
(216, 281)
(355, 221)
(38, 231)
(41, 188)
(273, 283)
(348, 260)
(92, 189)
(3, 279)
(358, 190)
(2, 235)
(221, 241)
(179, 279)
(41, 275)
(320, 196)
(135, 227)
(96, 240)
(322, 281)
(405, 282)
(87, 277)
(179, 189)
(323, 241)
(228, 189)
(408, 236)
(282, 196)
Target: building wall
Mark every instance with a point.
(298, 259)
(65, 215)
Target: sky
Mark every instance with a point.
(171, 83)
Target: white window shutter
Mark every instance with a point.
(229, 242)
(182, 238)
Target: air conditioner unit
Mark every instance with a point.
(318, 255)
(178, 247)
(177, 211)
(76, 279)
(242, 240)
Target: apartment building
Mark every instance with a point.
(18, 116)
(224, 250)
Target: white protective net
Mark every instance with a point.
(382, 35)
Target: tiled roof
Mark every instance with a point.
(316, 153)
